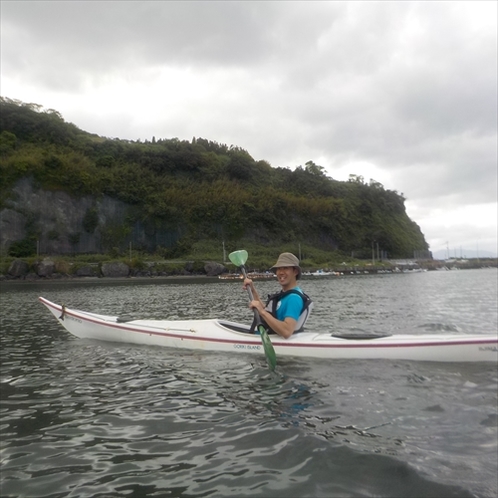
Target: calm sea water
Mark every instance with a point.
(90, 419)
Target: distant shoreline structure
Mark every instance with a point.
(444, 254)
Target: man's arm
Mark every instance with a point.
(249, 283)
(283, 328)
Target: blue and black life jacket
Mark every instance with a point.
(272, 303)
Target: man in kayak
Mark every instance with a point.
(287, 311)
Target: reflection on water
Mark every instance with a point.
(84, 418)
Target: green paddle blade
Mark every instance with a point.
(271, 357)
(238, 258)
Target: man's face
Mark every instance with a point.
(286, 275)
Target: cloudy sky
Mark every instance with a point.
(404, 93)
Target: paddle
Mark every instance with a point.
(239, 258)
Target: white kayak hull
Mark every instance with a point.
(225, 336)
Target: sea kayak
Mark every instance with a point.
(231, 337)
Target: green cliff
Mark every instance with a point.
(72, 192)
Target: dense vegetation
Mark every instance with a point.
(203, 189)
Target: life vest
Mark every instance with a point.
(272, 303)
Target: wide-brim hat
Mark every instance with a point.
(288, 259)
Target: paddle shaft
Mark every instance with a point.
(238, 258)
(251, 297)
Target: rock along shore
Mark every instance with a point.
(48, 269)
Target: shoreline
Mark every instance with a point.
(43, 280)
(197, 278)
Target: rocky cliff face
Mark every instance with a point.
(56, 221)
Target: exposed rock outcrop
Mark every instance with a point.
(45, 268)
(214, 269)
(68, 224)
(18, 268)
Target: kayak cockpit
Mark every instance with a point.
(360, 336)
(235, 327)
